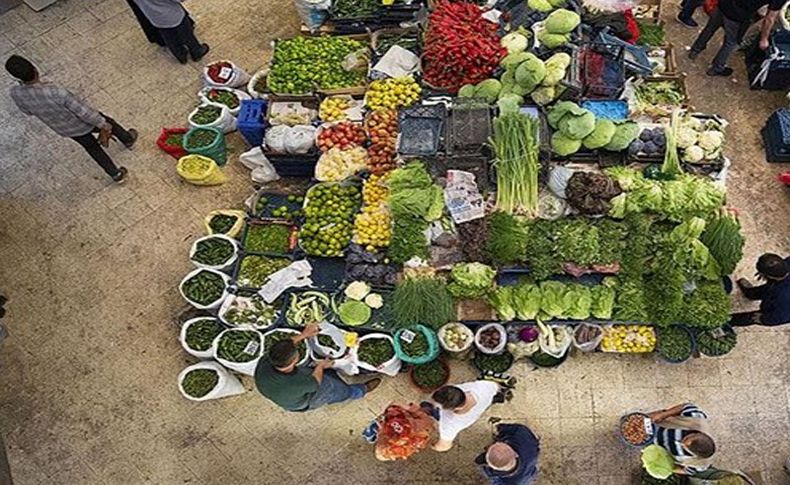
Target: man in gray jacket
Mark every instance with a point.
(175, 28)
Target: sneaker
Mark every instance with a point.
(689, 22)
(120, 177)
(715, 71)
(372, 384)
(693, 55)
(744, 283)
(204, 48)
(133, 133)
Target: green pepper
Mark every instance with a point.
(200, 335)
(222, 223)
(375, 351)
(204, 288)
(199, 382)
(206, 114)
(232, 346)
(213, 252)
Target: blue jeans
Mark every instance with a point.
(334, 390)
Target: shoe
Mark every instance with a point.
(693, 55)
(724, 71)
(204, 50)
(120, 177)
(744, 283)
(787, 466)
(372, 384)
(689, 22)
(134, 135)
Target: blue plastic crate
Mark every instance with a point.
(251, 122)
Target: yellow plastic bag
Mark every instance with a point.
(235, 230)
(200, 170)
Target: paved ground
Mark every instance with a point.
(88, 378)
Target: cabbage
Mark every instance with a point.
(514, 42)
(540, 5)
(354, 313)
(562, 108)
(560, 59)
(551, 298)
(488, 89)
(564, 146)
(601, 135)
(471, 280)
(577, 127)
(466, 91)
(579, 300)
(562, 21)
(657, 462)
(544, 95)
(508, 79)
(557, 3)
(511, 61)
(556, 66)
(625, 133)
(552, 41)
(530, 72)
(526, 301)
(693, 154)
(509, 103)
(502, 301)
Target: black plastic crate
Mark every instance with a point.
(469, 127)
(421, 129)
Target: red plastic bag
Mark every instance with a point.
(175, 151)
(710, 5)
(631, 25)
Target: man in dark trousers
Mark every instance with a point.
(735, 17)
(175, 28)
(512, 459)
(67, 115)
(774, 294)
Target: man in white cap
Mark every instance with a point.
(512, 459)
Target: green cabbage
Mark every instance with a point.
(530, 72)
(625, 133)
(657, 462)
(544, 95)
(562, 108)
(556, 66)
(466, 91)
(509, 103)
(511, 61)
(562, 21)
(577, 127)
(471, 280)
(552, 41)
(564, 146)
(488, 89)
(540, 5)
(353, 313)
(601, 135)
(514, 42)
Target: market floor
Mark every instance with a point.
(89, 374)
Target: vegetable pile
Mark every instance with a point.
(577, 127)
(382, 129)
(222, 223)
(199, 382)
(204, 288)
(200, 335)
(455, 336)
(633, 429)
(716, 342)
(223, 96)
(422, 298)
(392, 93)
(333, 108)
(490, 338)
(213, 251)
(553, 300)
(268, 238)
(215, 71)
(343, 135)
(430, 376)
(201, 138)
(460, 46)
(471, 280)
(205, 114)
(700, 140)
(590, 193)
(674, 344)
(239, 346)
(628, 339)
(329, 214)
(338, 164)
(302, 64)
(493, 363)
(308, 307)
(255, 270)
(372, 225)
(517, 163)
(375, 351)
(417, 347)
(723, 238)
(414, 202)
(175, 139)
(250, 311)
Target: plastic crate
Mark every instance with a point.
(251, 122)
(294, 165)
(468, 128)
(609, 109)
(421, 129)
(635, 57)
(216, 151)
(602, 70)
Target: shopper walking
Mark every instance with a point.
(686, 14)
(67, 115)
(460, 406)
(512, 459)
(682, 430)
(401, 431)
(734, 17)
(175, 27)
(295, 388)
(774, 294)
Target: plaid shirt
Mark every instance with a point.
(58, 108)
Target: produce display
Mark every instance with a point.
(205, 115)
(221, 223)
(422, 298)
(204, 288)
(392, 93)
(223, 96)
(375, 351)
(175, 139)
(308, 307)
(417, 347)
(268, 238)
(430, 376)
(675, 344)
(517, 164)
(493, 363)
(636, 429)
(343, 135)
(329, 213)
(220, 71)
(490, 338)
(471, 280)
(716, 342)
(455, 337)
(240, 311)
(337, 164)
(255, 270)
(382, 130)
(199, 382)
(372, 224)
(628, 339)
(239, 345)
(202, 137)
(214, 251)
(334, 108)
(196, 165)
(200, 335)
(700, 140)
(354, 8)
(303, 64)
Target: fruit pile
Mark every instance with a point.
(329, 213)
(382, 127)
(336, 164)
(635, 429)
(334, 109)
(392, 93)
(342, 135)
(628, 339)
(372, 225)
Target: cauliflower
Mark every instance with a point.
(686, 137)
(693, 123)
(374, 300)
(710, 140)
(357, 290)
(693, 154)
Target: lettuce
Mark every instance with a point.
(602, 302)
(502, 301)
(471, 280)
(552, 303)
(657, 462)
(527, 301)
(578, 300)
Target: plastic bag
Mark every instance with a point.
(222, 267)
(235, 230)
(225, 122)
(262, 170)
(589, 345)
(246, 368)
(254, 82)
(207, 172)
(459, 328)
(227, 384)
(359, 60)
(522, 350)
(558, 180)
(559, 344)
(276, 137)
(390, 367)
(429, 355)
(300, 139)
(175, 151)
(233, 75)
(502, 338)
(312, 13)
(201, 354)
(241, 95)
(338, 337)
(216, 303)
(241, 302)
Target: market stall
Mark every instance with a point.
(499, 185)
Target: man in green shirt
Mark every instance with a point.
(298, 388)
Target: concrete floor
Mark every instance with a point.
(89, 374)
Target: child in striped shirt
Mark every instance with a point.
(682, 431)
